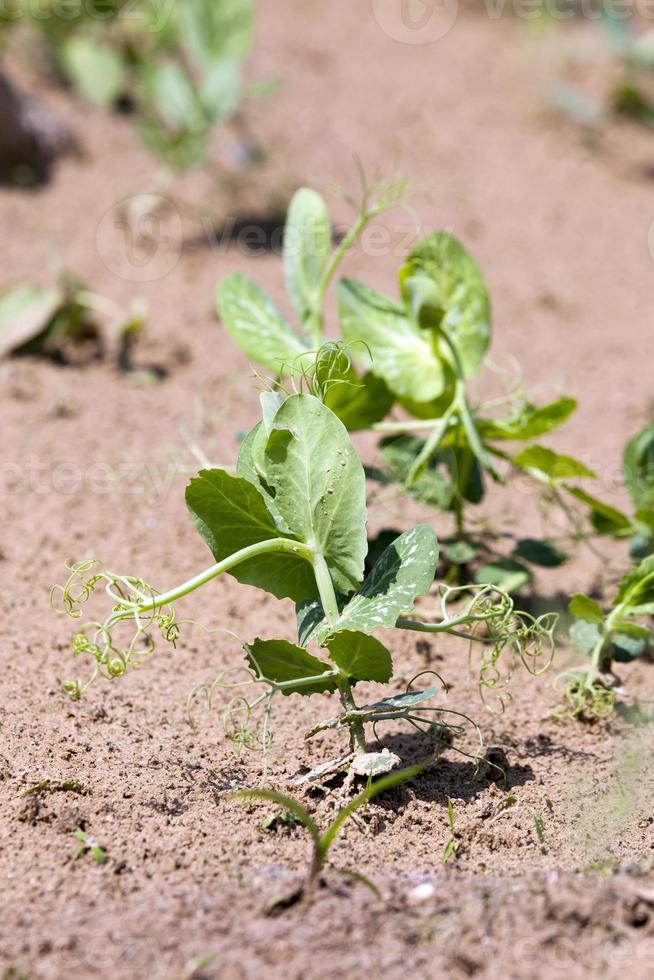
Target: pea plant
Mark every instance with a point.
(292, 522)
(179, 66)
(66, 322)
(621, 635)
(417, 354)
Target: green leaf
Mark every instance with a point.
(281, 661)
(231, 514)
(26, 312)
(95, 70)
(255, 324)
(211, 31)
(627, 648)
(307, 249)
(585, 636)
(638, 466)
(398, 351)
(636, 589)
(529, 423)
(510, 576)
(459, 552)
(433, 486)
(583, 607)
(361, 657)
(550, 467)
(358, 402)
(405, 571)
(318, 485)
(221, 89)
(458, 298)
(606, 519)
(539, 552)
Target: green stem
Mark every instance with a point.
(357, 731)
(315, 323)
(279, 545)
(325, 587)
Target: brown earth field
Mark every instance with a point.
(553, 875)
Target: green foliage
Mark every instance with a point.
(64, 322)
(179, 64)
(293, 523)
(623, 634)
(416, 352)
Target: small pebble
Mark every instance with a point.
(422, 892)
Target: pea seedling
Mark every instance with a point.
(418, 353)
(623, 634)
(65, 322)
(292, 522)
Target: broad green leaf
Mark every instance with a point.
(231, 514)
(585, 636)
(221, 89)
(583, 607)
(25, 313)
(255, 324)
(504, 574)
(606, 519)
(405, 571)
(627, 648)
(529, 423)
(318, 485)
(539, 551)
(459, 552)
(454, 472)
(309, 615)
(397, 349)
(636, 589)
(432, 487)
(458, 296)
(211, 30)
(307, 249)
(169, 93)
(95, 70)
(361, 657)
(550, 467)
(281, 661)
(638, 466)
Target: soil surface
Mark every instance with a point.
(553, 871)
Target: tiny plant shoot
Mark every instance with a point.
(292, 522)
(417, 354)
(623, 634)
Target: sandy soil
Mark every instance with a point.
(93, 465)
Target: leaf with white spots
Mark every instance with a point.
(405, 571)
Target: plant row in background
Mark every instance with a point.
(177, 66)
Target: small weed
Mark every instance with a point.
(90, 844)
(453, 843)
(323, 840)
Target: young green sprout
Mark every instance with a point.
(623, 634)
(419, 354)
(292, 522)
(323, 840)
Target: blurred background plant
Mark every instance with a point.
(176, 67)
